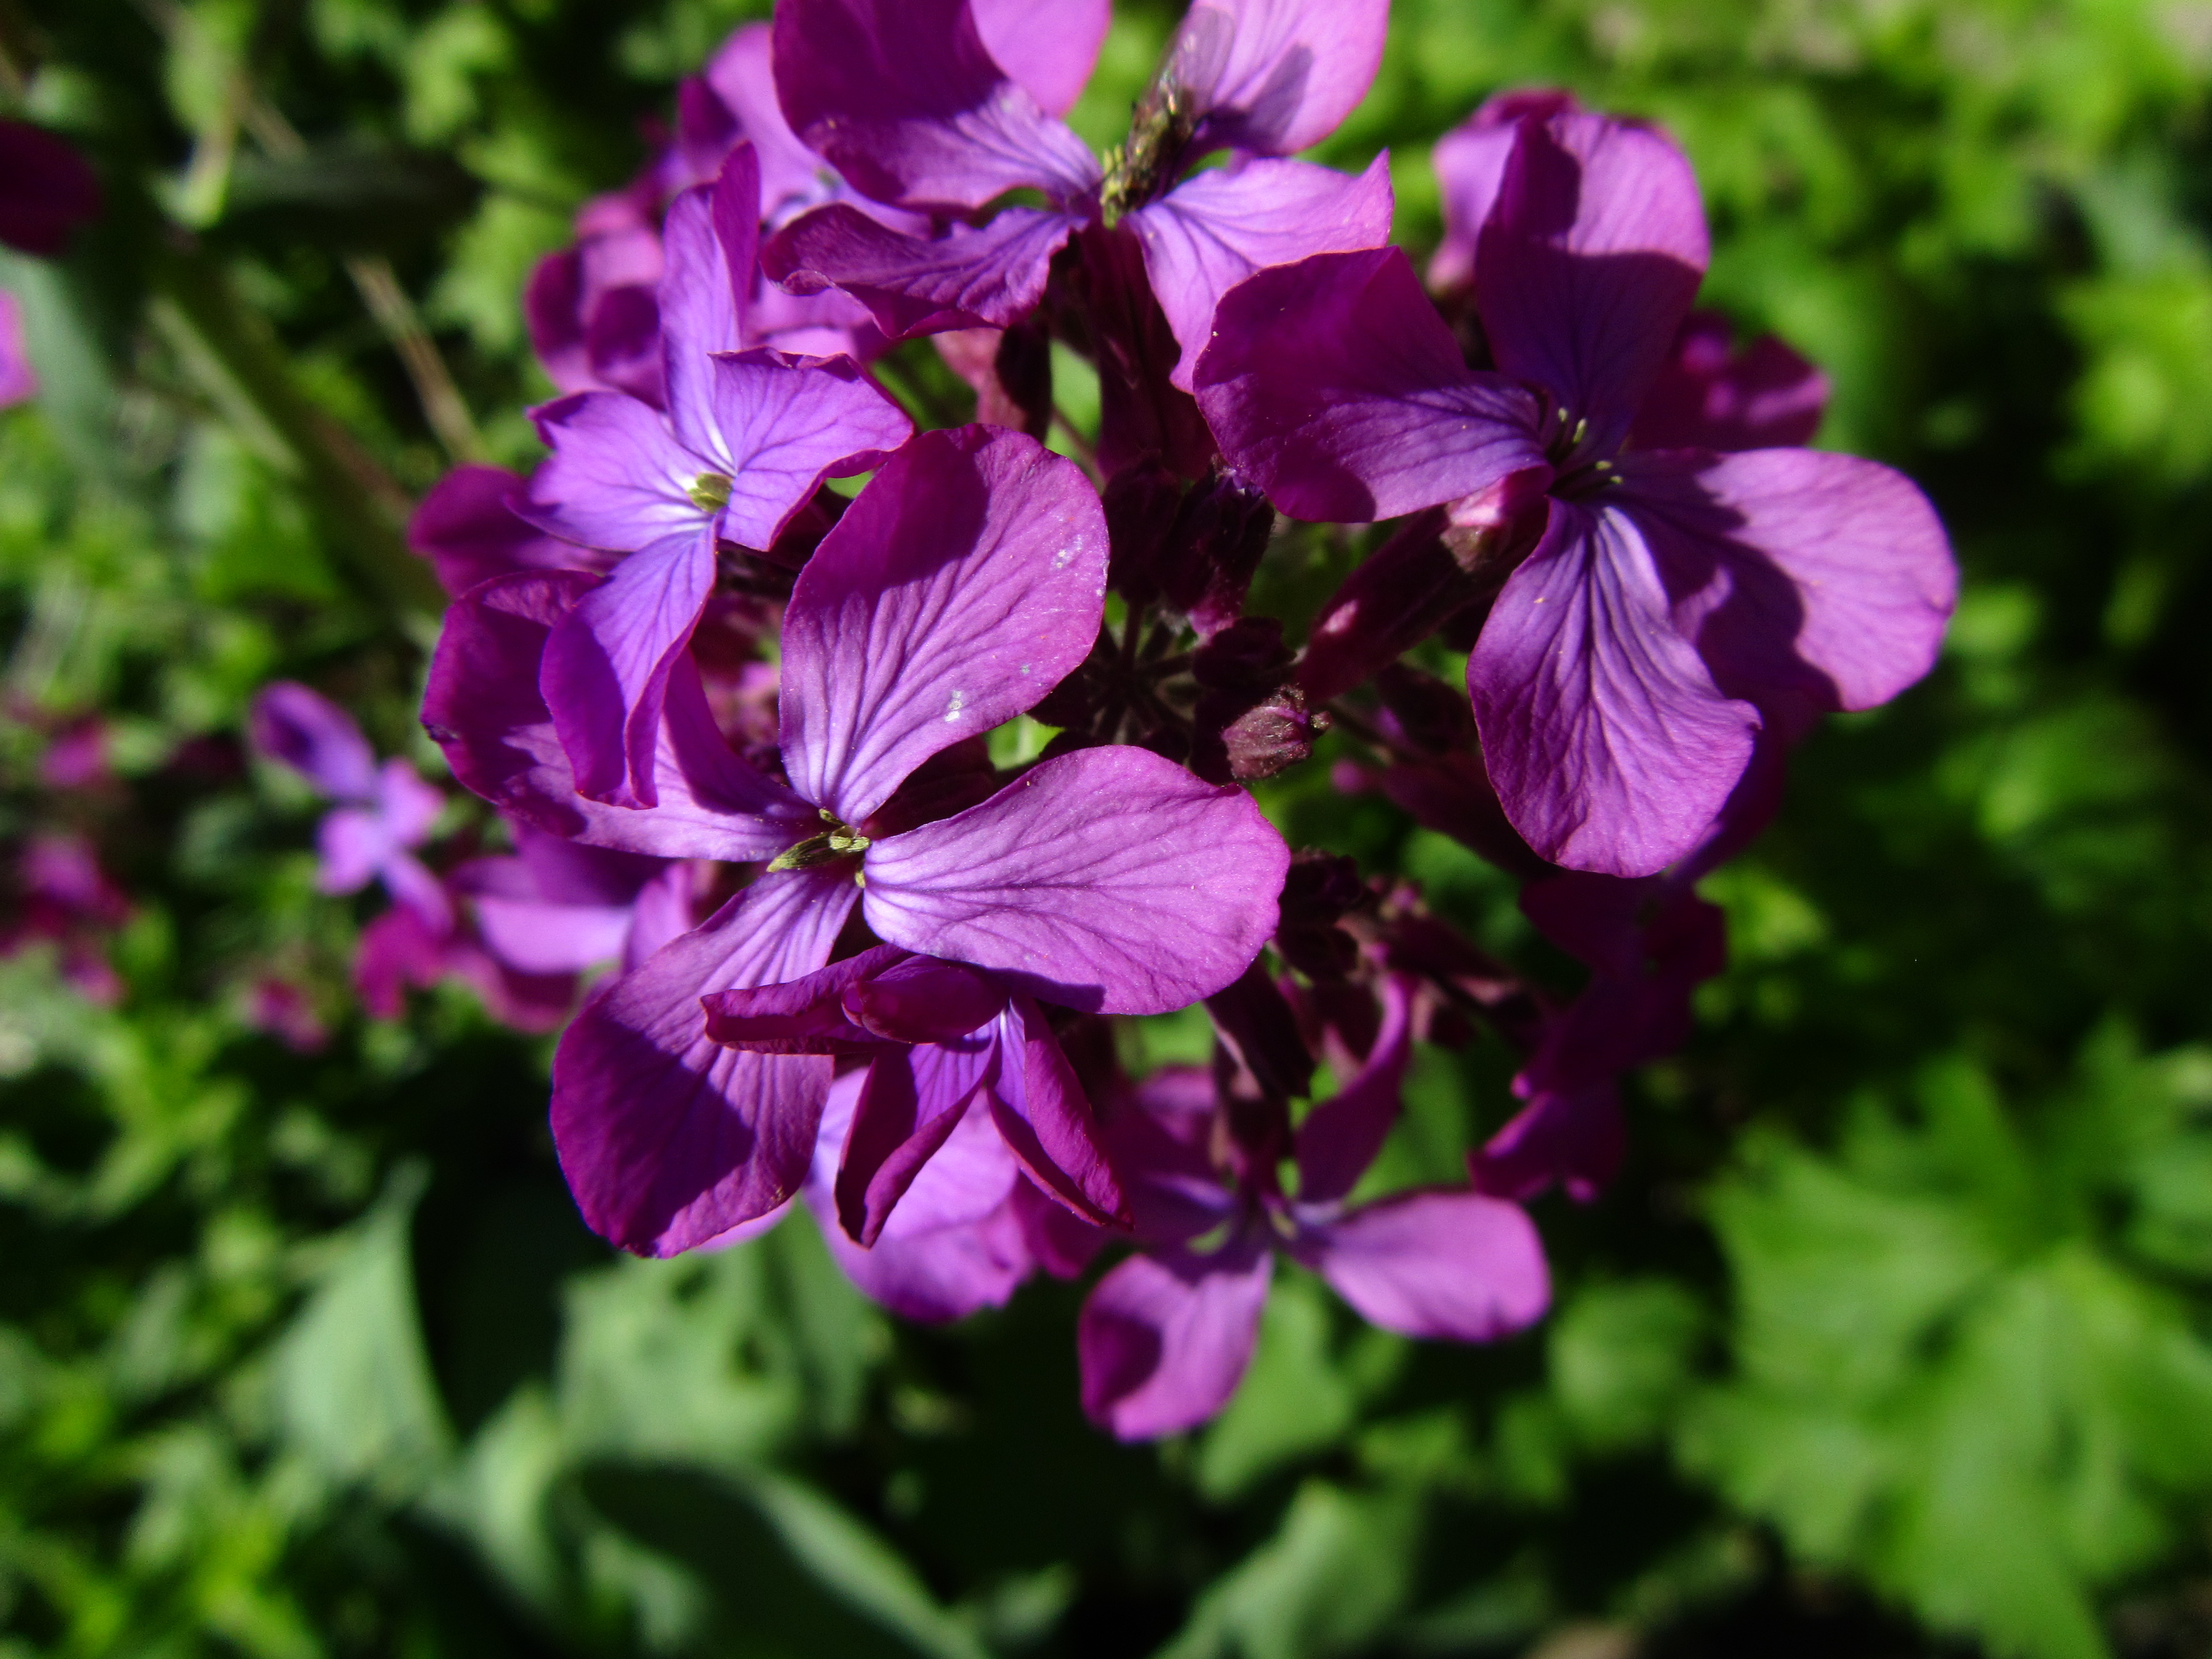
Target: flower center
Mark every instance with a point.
(709, 491)
(838, 841)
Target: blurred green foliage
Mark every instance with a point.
(1895, 1333)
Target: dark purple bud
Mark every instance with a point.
(1393, 602)
(1022, 369)
(1218, 540)
(1141, 504)
(1261, 1030)
(1319, 889)
(1241, 738)
(1141, 416)
(1431, 715)
(1247, 655)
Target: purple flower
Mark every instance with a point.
(468, 529)
(64, 898)
(555, 906)
(1165, 1336)
(402, 948)
(383, 813)
(943, 106)
(748, 437)
(1661, 606)
(963, 583)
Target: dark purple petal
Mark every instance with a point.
(1334, 384)
(1470, 166)
(1215, 229)
(467, 528)
(1342, 1135)
(782, 424)
(1798, 572)
(967, 277)
(1575, 1138)
(19, 381)
(1108, 880)
(1046, 1120)
(397, 950)
(483, 708)
(712, 239)
(617, 479)
(1611, 747)
(50, 190)
(604, 677)
(965, 582)
(1275, 77)
(414, 888)
(913, 1100)
(1163, 1340)
(801, 1016)
(1047, 48)
(920, 1000)
(553, 308)
(1396, 599)
(666, 1137)
(1588, 261)
(1709, 395)
(903, 99)
(1456, 1265)
(315, 738)
(1159, 1140)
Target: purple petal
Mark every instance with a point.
(315, 738)
(1470, 166)
(1611, 746)
(540, 938)
(553, 309)
(782, 424)
(1588, 261)
(617, 479)
(50, 190)
(1046, 1120)
(1048, 47)
(1334, 385)
(967, 277)
(667, 1138)
(965, 582)
(1164, 1339)
(1160, 1143)
(604, 677)
(903, 99)
(713, 243)
(467, 528)
(1399, 596)
(483, 708)
(1709, 395)
(1798, 572)
(557, 870)
(409, 805)
(1436, 1264)
(397, 950)
(1214, 230)
(19, 381)
(1274, 76)
(791, 175)
(921, 999)
(802, 1016)
(913, 1100)
(1575, 1138)
(972, 1176)
(1341, 1135)
(1108, 880)
(353, 844)
(414, 888)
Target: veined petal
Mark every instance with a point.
(792, 176)
(617, 479)
(1048, 47)
(1336, 387)
(903, 99)
(1469, 162)
(1712, 395)
(314, 736)
(1797, 571)
(921, 999)
(966, 277)
(1164, 1339)
(1046, 1120)
(782, 424)
(1341, 1135)
(666, 1137)
(965, 582)
(1436, 1264)
(802, 1016)
(1108, 880)
(1611, 746)
(1275, 77)
(604, 677)
(1214, 230)
(1588, 261)
(484, 707)
(712, 238)
(467, 528)
(914, 1099)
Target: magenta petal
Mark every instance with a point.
(617, 478)
(484, 707)
(783, 424)
(1336, 387)
(607, 663)
(1274, 76)
(921, 999)
(1470, 167)
(315, 738)
(1108, 880)
(903, 98)
(1046, 1120)
(1588, 261)
(1214, 230)
(1048, 47)
(414, 888)
(1709, 395)
(802, 1016)
(1575, 1137)
(1797, 571)
(1611, 747)
(965, 582)
(1164, 1339)
(353, 844)
(667, 1138)
(913, 1100)
(19, 381)
(467, 528)
(791, 175)
(1341, 1135)
(1436, 1264)
(990, 277)
(538, 938)
(712, 238)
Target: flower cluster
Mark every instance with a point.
(679, 659)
